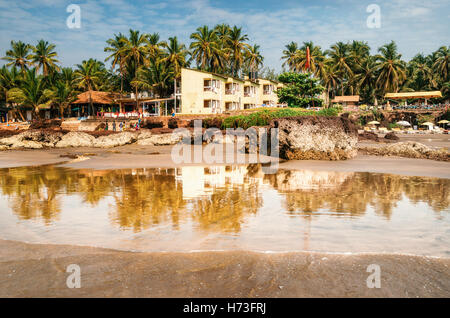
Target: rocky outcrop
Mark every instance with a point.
(408, 149)
(316, 138)
(32, 139)
(115, 140)
(160, 140)
(76, 139)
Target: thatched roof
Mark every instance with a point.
(411, 95)
(105, 98)
(346, 99)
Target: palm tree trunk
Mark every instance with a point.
(137, 99)
(61, 111)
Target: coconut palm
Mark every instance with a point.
(366, 76)
(316, 58)
(205, 49)
(61, 95)
(154, 46)
(19, 55)
(9, 79)
(44, 56)
(176, 55)
(157, 78)
(420, 75)
(391, 69)
(342, 60)
(88, 77)
(116, 47)
(31, 93)
(238, 47)
(289, 55)
(441, 63)
(136, 52)
(253, 58)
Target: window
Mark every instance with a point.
(268, 89)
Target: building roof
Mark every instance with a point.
(411, 95)
(105, 98)
(344, 99)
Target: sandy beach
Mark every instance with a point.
(40, 271)
(34, 270)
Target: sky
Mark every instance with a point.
(418, 26)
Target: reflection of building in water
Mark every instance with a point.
(199, 181)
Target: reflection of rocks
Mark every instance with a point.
(316, 138)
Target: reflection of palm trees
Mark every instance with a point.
(147, 197)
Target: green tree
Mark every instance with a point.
(19, 55)
(31, 93)
(300, 90)
(88, 77)
(44, 56)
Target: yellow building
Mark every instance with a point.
(200, 92)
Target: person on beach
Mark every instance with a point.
(121, 126)
(106, 126)
(114, 126)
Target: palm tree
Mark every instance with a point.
(156, 78)
(61, 95)
(10, 79)
(391, 69)
(340, 56)
(31, 93)
(367, 76)
(154, 46)
(420, 75)
(441, 64)
(19, 55)
(88, 77)
(136, 54)
(253, 58)
(238, 47)
(205, 49)
(289, 55)
(330, 79)
(44, 57)
(116, 47)
(176, 55)
(316, 58)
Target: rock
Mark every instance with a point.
(115, 140)
(3, 147)
(316, 138)
(144, 134)
(43, 137)
(28, 144)
(161, 140)
(47, 138)
(408, 149)
(76, 139)
(391, 136)
(368, 135)
(9, 141)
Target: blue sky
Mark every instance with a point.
(416, 25)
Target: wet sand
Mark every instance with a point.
(40, 271)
